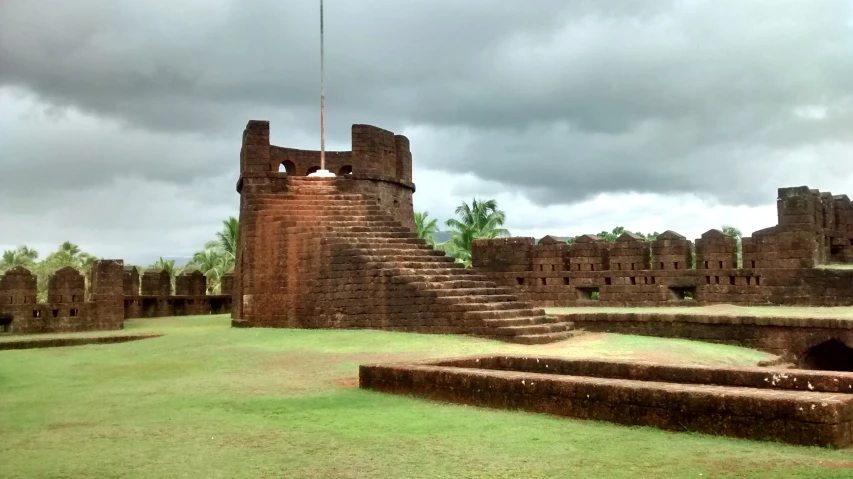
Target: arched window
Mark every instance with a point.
(313, 169)
(345, 170)
(287, 166)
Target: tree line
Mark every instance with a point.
(214, 260)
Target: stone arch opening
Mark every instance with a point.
(831, 355)
(313, 169)
(287, 166)
(345, 170)
(5, 323)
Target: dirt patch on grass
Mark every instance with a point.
(834, 465)
(348, 383)
(580, 338)
(650, 357)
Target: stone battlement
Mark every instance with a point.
(780, 265)
(113, 296)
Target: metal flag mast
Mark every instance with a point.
(322, 171)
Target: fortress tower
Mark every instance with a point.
(342, 253)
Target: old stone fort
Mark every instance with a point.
(342, 253)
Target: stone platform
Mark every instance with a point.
(792, 337)
(793, 406)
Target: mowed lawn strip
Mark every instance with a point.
(206, 400)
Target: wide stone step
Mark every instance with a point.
(532, 329)
(410, 262)
(451, 283)
(361, 241)
(523, 320)
(469, 307)
(479, 299)
(538, 338)
(412, 250)
(482, 291)
(423, 276)
(493, 315)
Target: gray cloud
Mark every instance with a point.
(558, 102)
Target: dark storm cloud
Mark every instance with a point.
(563, 100)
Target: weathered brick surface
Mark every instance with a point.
(778, 267)
(66, 285)
(797, 407)
(341, 252)
(131, 281)
(156, 282)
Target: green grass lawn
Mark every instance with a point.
(209, 401)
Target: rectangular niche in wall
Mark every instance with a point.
(588, 293)
(682, 293)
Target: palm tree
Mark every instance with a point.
(69, 248)
(226, 240)
(212, 264)
(735, 233)
(426, 228)
(167, 265)
(729, 230)
(480, 220)
(21, 256)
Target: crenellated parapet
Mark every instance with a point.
(790, 263)
(379, 166)
(115, 294)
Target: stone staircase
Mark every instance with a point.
(348, 252)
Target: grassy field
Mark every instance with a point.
(841, 312)
(209, 401)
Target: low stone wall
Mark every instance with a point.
(788, 337)
(797, 407)
(64, 342)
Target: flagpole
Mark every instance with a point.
(322, 97)
(322, 172)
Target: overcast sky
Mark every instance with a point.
(120, 121)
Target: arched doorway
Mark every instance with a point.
(313, 169)
(831, 355)
(345, 170)
(287, 166)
